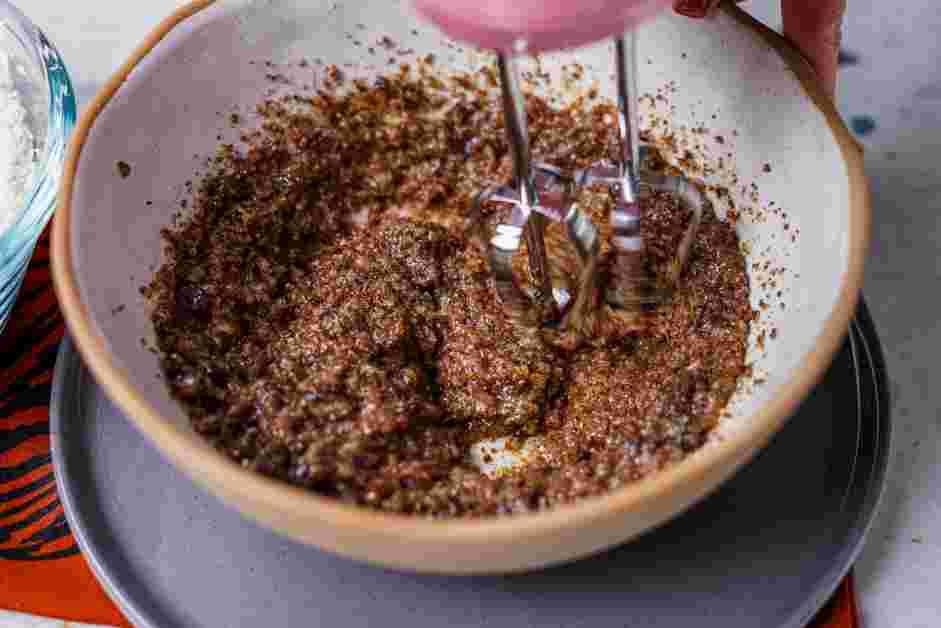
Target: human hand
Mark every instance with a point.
(814, 26)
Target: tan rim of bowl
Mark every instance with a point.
(215, 470)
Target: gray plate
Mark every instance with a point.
(767, 550)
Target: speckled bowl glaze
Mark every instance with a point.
(728, 86)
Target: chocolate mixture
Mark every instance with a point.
(326, 317)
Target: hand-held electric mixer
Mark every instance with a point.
(539, 192)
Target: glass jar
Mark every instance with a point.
(43, 84)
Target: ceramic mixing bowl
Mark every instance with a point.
(728, 98)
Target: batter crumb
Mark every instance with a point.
(326, 317)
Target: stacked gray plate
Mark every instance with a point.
(767, 550)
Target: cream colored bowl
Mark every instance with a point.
(796, 177)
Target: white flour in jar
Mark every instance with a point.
(17, 145)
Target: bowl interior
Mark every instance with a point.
(716, 89)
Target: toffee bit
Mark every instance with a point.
(334, 74)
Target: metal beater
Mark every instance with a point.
(540, 193)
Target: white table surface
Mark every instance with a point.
(897, 81)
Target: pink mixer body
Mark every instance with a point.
(542, 24)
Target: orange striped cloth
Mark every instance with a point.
(41, 569)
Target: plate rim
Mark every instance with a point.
(71, 377)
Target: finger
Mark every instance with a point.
(815, 27)
(696, 8)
